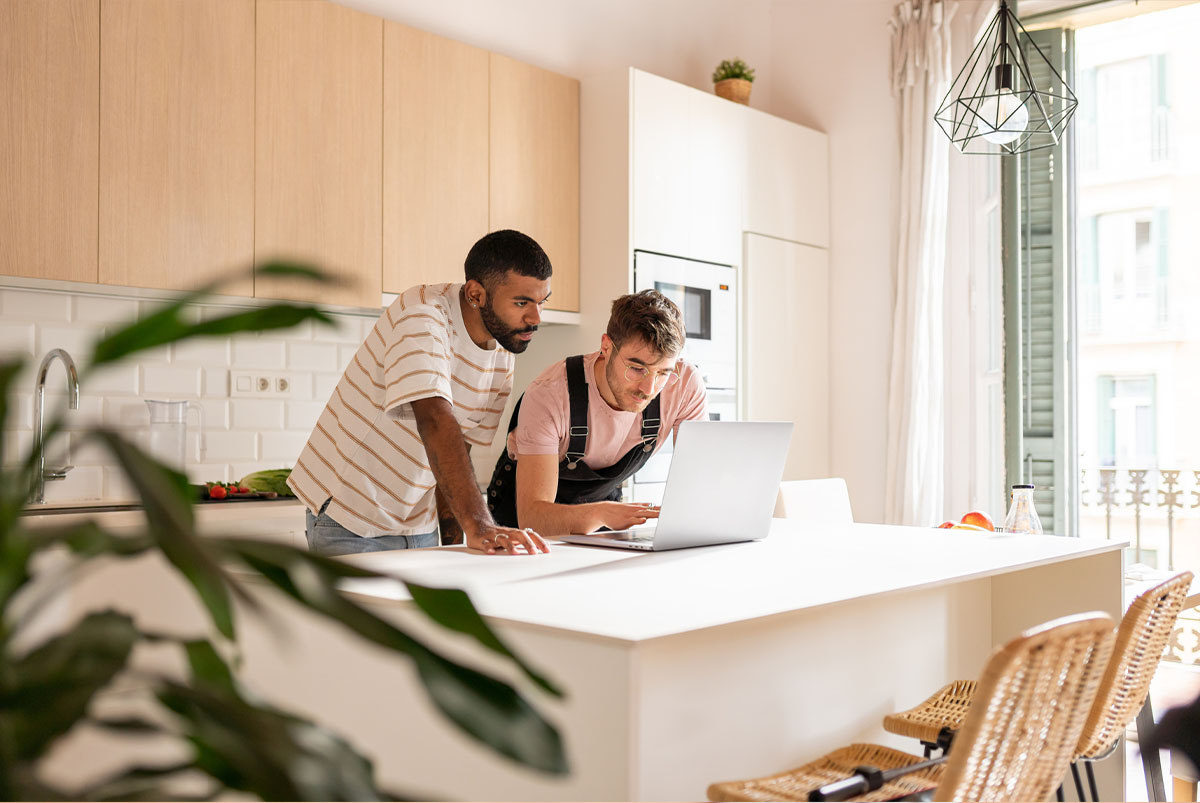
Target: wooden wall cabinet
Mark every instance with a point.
(318, 147)
(435, 156)
(177, 143)
(534, 175)
(49, 134)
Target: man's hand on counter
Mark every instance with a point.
(494, 540)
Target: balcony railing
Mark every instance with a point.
(1158, 511)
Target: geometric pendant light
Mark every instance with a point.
(994, 102)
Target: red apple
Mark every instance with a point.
(946, 525)
(979, 519)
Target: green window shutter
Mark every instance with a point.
(1106, 429)
(1160, 123)
(1161, 235)
(1040, 307)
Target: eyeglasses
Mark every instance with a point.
(638, 373)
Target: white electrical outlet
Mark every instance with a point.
(259, 385)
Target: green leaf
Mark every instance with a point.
(269, 753)
(166, 499)
(44, 693)
(488, 709)
(167, 325)
(452, 609)
(12, 487)
(138, 783)
(208, 668)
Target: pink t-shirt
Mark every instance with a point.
(543, 425)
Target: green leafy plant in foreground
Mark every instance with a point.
(232, 739)
(733, 69)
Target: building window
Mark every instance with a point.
(1127, 422)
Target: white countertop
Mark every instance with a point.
(633, 596)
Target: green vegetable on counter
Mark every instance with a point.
(271, 480)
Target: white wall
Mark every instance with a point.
(830, 66)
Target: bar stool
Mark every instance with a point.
(1141, 639)
(1048, 675)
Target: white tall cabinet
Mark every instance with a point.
(675, 170)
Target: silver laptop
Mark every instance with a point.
(721, 488)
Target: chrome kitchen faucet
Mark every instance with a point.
(39, 411)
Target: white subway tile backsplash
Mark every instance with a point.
(266, 354)
(313, 356)
(216, 382)
(302, 416)
(285, 446)
(257, 414)
(323, 385)
(78, 341)
(345, 355)
(216, 414)
(120, 379)
(82, 482)
(241, 435)
(189, 314)
(104, 311)
(208, 351)
(173, 381)
(126, 415)
(231, 446)
(17, 338)
(89, 413)
(117, 485)
(20, 416)
(33, 305)
(344, 329)
(17, 446)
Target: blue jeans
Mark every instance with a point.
(327, 537)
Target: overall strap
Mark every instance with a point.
(651, 421)
(577, 394)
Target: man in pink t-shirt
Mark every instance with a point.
(590, 422)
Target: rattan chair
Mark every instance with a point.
(1140, 640)
(1046, 677)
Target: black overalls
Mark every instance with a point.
(577, 482)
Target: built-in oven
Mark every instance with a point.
(706, 293)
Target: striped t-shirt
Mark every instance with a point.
(365, 455)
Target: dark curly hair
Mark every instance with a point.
(502, 251)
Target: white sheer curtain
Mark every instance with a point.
(920, 79)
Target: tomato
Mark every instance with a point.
(242, 489)
(216, 492)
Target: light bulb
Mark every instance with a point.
(1002, 118)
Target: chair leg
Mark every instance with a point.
(1078, 782)
(1058, 794)
(1151, 763)
(1091, 776)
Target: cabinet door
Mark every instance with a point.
(661, 166)
(786, 291)
(435, 156)
(715, 168)
(177, 142)
(318, 160)
(534, 184)
(49, 135)
(787, 180)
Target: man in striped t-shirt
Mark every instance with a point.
(389, 457)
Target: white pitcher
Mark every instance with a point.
(168, 431)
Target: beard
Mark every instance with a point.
(504, 334)
(631, 401)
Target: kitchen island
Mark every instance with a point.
(687, 667)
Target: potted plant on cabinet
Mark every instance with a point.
(732, 80)
(58, 679)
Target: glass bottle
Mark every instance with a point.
(1022, 515)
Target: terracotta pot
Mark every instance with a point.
(735, 89)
